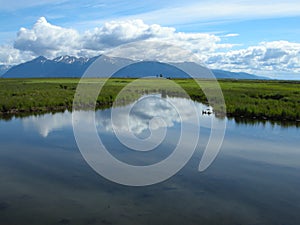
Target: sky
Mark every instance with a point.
(258, 36)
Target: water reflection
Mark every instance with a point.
(141, 112)
(44, 179)
(255, 121)
(47, 123)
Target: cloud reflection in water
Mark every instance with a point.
(141, 112)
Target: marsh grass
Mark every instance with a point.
(274, 100)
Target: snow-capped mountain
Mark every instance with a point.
(70, 66)
(70, 59)
(64, 66)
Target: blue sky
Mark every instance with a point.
(250, 31)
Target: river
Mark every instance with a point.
(255, 178)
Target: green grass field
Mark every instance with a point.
(274, 100)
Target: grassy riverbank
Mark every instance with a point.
(274, 100)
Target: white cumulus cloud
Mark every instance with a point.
(47, 39)
(267, 56)
(11, 56)
(51, 41)
(115, 33)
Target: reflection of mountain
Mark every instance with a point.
(141, 113)
(69, 66)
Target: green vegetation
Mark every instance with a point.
(274, 100)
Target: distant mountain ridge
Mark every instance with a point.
(222, 74)
(4, 69)
(64, 66)
(70, 66)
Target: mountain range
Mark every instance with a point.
(4, 69)
(70, 66)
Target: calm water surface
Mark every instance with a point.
(44, 179)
